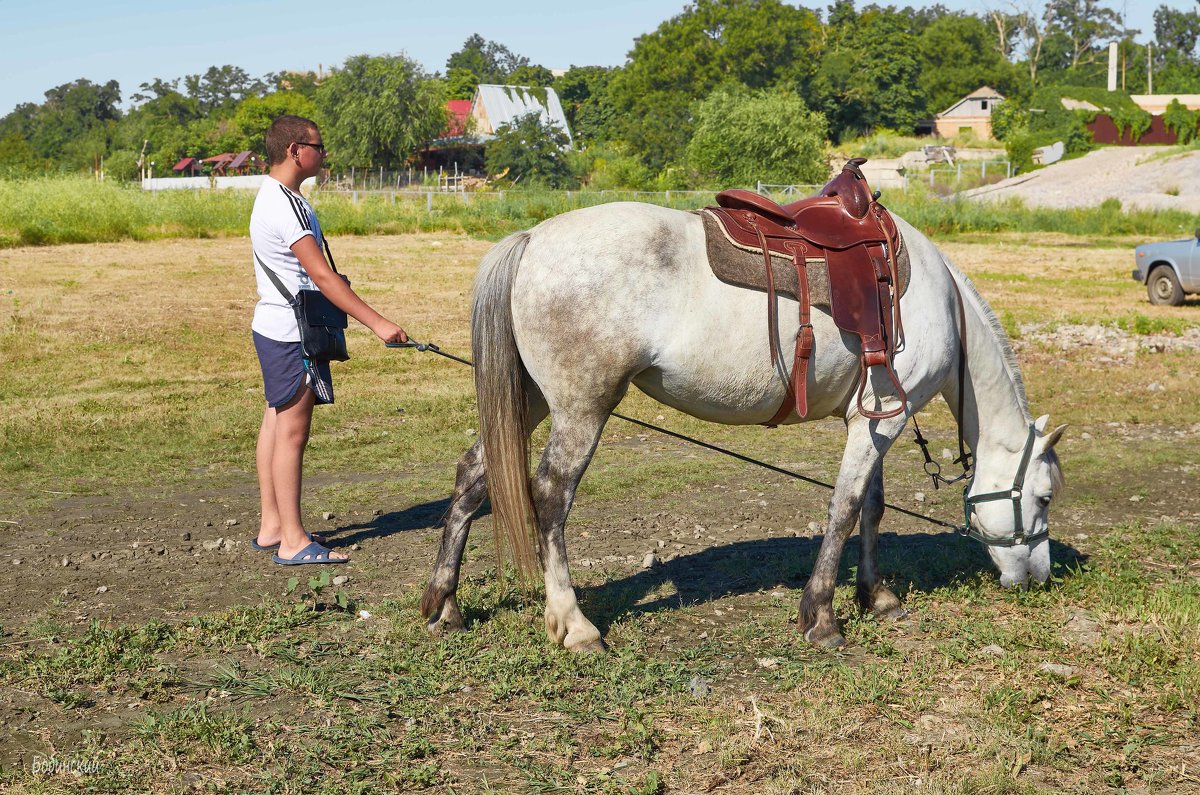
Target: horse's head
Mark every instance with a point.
(1012, 519)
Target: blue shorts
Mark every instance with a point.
(285, 371)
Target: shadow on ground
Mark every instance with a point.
(414, 517)
(907, 562)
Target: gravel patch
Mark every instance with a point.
(1136, 176)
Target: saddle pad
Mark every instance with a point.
(743, 267)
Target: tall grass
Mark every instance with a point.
(79, 210)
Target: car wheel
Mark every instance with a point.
(1163, 287)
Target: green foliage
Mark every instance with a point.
(758, 44)
(770, 135)
(531, 150)
(461, 84)
(379, 110)
(610, 166)
(859, 92)
(1009, 117)
(17, 158)
(247, 128)
(488, 61)
(957, 56)
(585, 98)
(1132, 122)
(1181, 121)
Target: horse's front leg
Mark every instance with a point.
(866, 444)
(439, 603)
(872, 595)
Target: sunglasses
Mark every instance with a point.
(319, 147)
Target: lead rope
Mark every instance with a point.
(932, 468)
(429, 346)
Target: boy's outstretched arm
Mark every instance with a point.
(340, 293)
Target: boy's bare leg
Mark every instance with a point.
(292, 423)
(269, 526)
(268, 531)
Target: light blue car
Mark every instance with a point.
(1169, 270)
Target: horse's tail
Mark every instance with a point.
(503, 403)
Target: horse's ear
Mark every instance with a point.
(1051, 439)
(1041, 422)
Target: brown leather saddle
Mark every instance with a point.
(845, 226)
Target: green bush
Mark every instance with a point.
(1181, 121)
(771, 135)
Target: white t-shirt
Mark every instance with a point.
(280, 218)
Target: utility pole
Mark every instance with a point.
(1149, 68)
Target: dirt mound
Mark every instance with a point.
(1148, 178)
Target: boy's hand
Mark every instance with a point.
(388, 331)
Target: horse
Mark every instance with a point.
(568, 314)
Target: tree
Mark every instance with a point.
(379, 110)
(1081, 25)
(956, 58)
(489, 61)
(859, 93)
(759, 43)
(583, 91)
(530, 76)
(73, 126)
(16, 157)
(770, 134)
(530, 150)
(248, 126)
(461, 83)
(222, 87)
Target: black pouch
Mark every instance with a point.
(322, 327)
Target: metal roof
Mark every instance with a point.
(506, 104)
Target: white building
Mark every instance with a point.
(493, 106)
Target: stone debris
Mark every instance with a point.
(650, 561)
(340, 580)
(327, 515)
(991, 650)
(1082, 629)
(698, 687)
(1057, 670)
(231, 522)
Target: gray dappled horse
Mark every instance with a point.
(568, 314)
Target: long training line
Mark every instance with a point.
(429, 346)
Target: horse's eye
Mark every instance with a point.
(1043, 501)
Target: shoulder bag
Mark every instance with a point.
(322, 325)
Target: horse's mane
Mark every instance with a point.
(1008, 355)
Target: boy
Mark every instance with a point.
(286, 238)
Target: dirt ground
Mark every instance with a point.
(143, 554)
(134, 557)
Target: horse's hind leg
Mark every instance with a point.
(439, 603)
(872, 595)
(569, 450)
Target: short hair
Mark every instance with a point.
(285, 131)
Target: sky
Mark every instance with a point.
(52, 42)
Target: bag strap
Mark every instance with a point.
(275, 280)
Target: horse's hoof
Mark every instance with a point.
(832, 642)
(589, 647)
(897, 613)
(445, 627)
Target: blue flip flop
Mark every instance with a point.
(257, 547)
(313, 553)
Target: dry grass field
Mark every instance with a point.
(146, 648)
